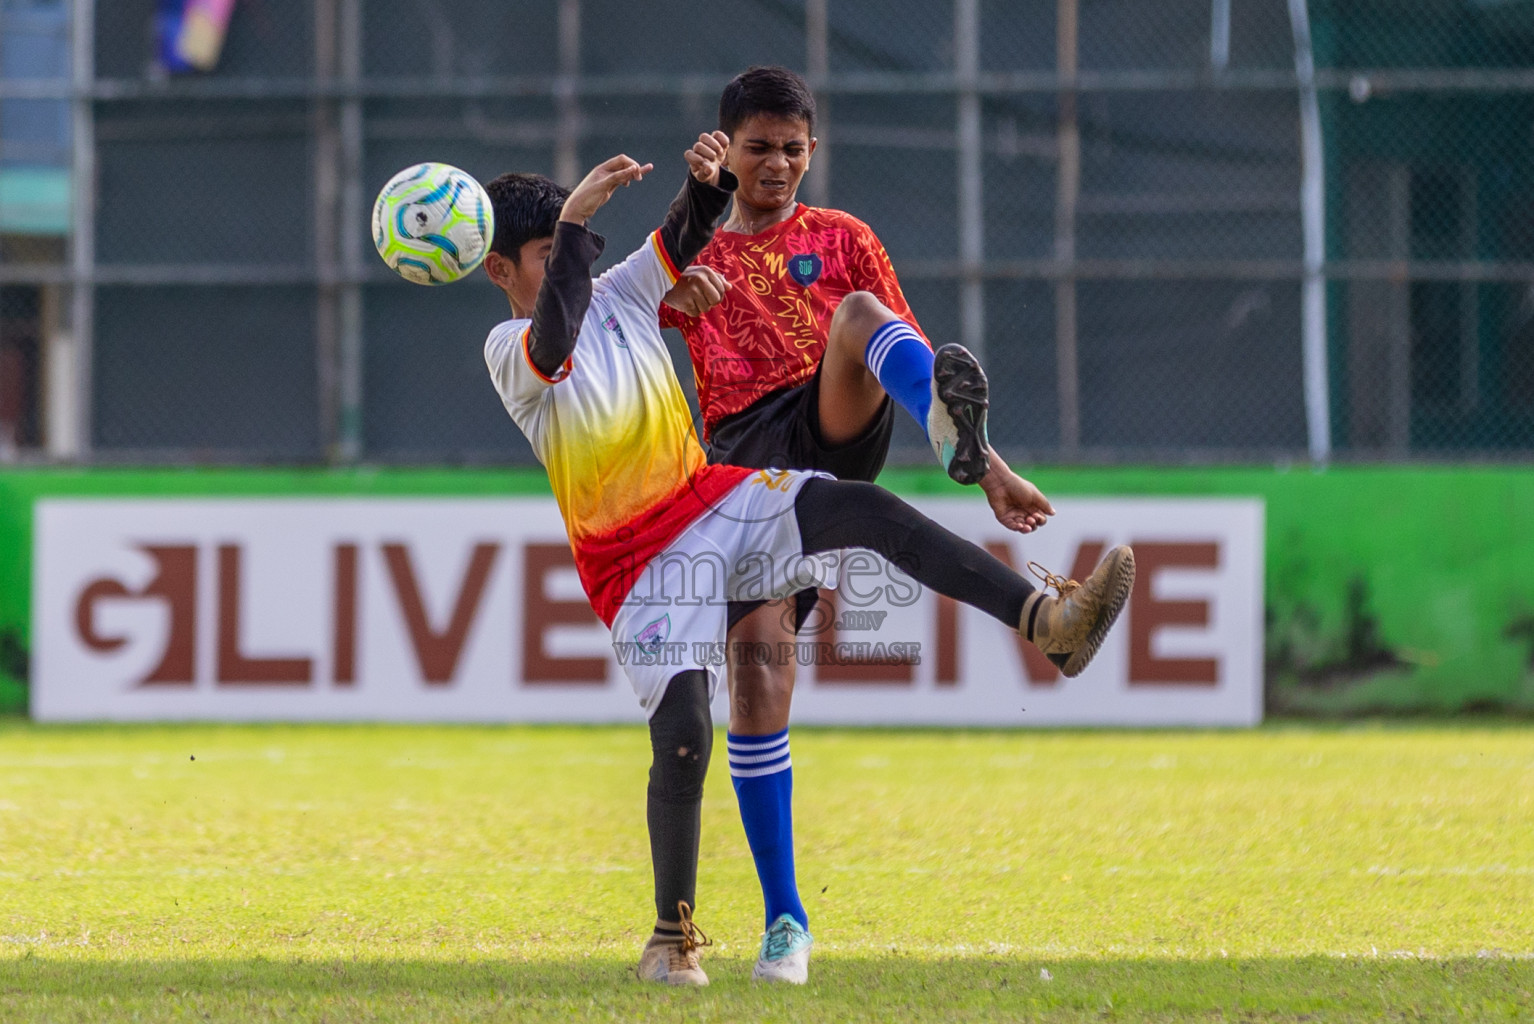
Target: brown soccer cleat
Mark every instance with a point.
(675, 962)
(1070, 627)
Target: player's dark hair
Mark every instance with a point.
(774, 91)
(526, 206)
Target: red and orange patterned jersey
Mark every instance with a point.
(769, 333)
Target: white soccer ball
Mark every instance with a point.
(433, 223)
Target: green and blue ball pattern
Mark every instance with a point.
(433, 223)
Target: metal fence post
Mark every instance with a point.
(971, 176)
(1398, 366)
(567, 109)
(1313, 214)
(82, 243)
(1219, 35)
(327, 225)
(1067, 193)
(817, 61)
(353, 220)
(338, 226)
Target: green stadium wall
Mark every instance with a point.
(1389, 590)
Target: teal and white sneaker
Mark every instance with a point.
(785, 953)
(956, 419)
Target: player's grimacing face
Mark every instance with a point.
(769, 155)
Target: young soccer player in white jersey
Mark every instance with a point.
(662, 540)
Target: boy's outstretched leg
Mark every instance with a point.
(1069, 627)
(871, 352)
(681, 739)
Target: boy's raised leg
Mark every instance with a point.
(871, 352)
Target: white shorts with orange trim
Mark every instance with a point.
(746, 548)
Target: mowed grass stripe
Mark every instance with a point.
(424, 873)
(843, 989)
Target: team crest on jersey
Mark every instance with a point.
(654, 635)
(804, 268)
(611, 325)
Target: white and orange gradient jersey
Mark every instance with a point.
(613, 429)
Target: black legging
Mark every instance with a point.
(681, 739)
(836, 514)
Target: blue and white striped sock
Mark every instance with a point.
(762, 772)
(903, 363)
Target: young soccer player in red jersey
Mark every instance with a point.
(802, 343)
(583, 371)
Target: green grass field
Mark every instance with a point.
(476, 874)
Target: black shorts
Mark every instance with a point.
(781, 430)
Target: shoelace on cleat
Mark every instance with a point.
(776, 945)
(1060, 583)
(693, 938)
(679, 959)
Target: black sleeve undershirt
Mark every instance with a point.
(689, 223)
(565, 294)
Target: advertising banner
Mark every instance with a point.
(467, 609)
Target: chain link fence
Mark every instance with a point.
(1202, 230)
